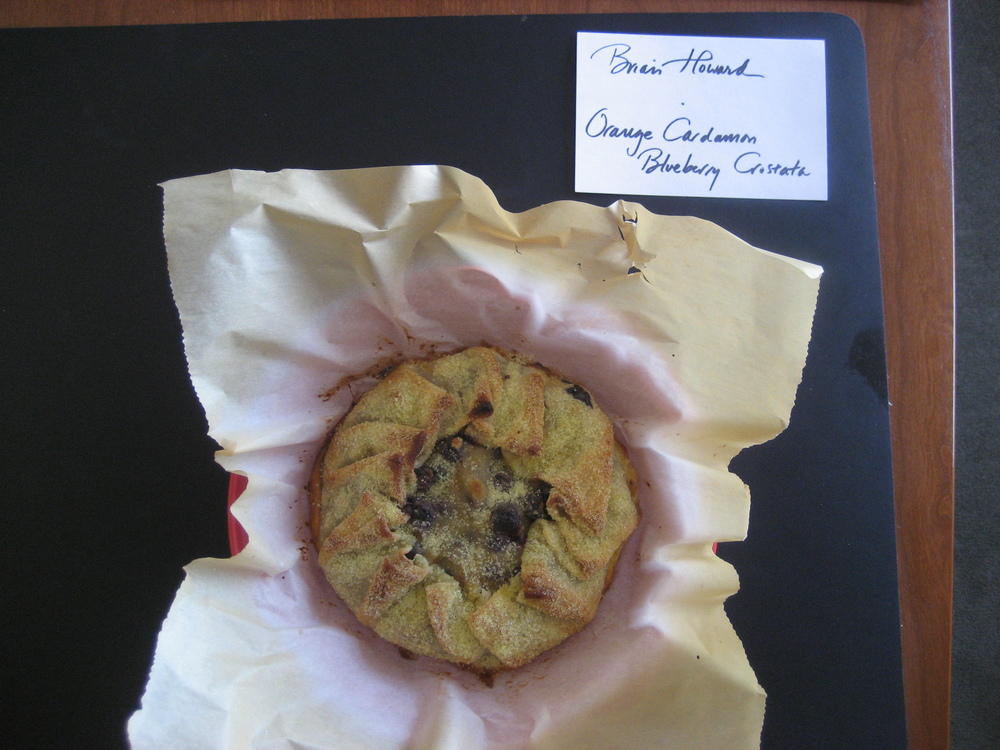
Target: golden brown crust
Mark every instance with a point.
(395, 576)
(370, 524)
(471, 508)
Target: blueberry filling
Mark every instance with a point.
(536, 499)
(425, 477)
(580, 395)
(447, 449)
(421, 510)
(508, 521)
(482, 409)
(470, 513)
(503, 480)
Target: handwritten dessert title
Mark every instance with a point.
(701, 116)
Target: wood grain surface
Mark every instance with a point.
(908, 54)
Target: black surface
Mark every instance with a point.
(976, 677)
(111, 482)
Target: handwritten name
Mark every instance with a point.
(696, 63)
(620, 63)
(702, 63)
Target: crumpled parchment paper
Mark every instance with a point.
(292, 284)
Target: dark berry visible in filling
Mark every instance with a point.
(503, 480)
(482, 409)
(535, 500)
(425, 477)
(580, 395)
(421, 510)
(507, 521)
(470, 513)
(448, 450)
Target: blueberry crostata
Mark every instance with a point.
(471, 508)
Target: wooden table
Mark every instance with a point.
(909, 75)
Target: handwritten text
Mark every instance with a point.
(652, 159)
(697, 62)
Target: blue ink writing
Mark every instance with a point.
(620, 63)
(749, 163)
(653, 160)
(598, 126)
(675, 132)
(702, 63)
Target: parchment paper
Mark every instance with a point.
(291, 284)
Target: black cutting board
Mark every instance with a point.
(111, 483)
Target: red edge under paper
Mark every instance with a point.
(238, 537)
